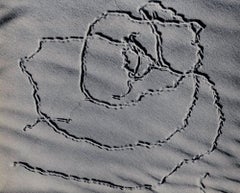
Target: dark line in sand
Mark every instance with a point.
(76, 178)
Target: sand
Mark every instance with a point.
(119, 96)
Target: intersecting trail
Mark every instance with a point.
(156, 62)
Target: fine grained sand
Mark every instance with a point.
(101, 96)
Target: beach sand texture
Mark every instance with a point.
(119, 96)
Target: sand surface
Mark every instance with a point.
(119, 96)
